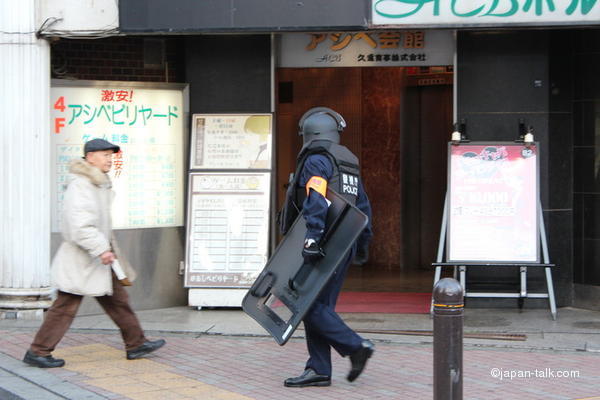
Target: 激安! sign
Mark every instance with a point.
(147, 122)
(455, 13)
(366, 49)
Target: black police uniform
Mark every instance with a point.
(339, 167)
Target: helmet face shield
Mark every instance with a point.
(321, 123)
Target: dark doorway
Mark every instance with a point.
(427, 125)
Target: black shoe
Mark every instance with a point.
(359, 359)
(42, 361)
(308, 378)
(146, 348)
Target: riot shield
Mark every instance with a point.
(286, 288)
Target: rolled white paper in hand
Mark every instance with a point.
(116, 267)
(120, 274)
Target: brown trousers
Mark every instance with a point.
(60, 315)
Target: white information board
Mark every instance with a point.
(231, 141)
(228, 229)
(493, 203)
(147, 121)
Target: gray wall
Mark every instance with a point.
(242, 15)
(229, 73)
(586, 155)
(504, 76)
(155, 254)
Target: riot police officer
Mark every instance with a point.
(323, 163)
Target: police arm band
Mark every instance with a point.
(318, 184)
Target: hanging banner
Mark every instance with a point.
(493, 203)
(231, 141)
(228, 229)
(366, 49)
(454, 13)
(147, 122)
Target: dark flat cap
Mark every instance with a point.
(99, 145)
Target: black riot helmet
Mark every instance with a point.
(321, 123)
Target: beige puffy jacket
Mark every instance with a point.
(87, 232)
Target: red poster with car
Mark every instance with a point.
(493, 203)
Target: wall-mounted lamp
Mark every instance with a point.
(528, 138)
(525, 134)
(459, 133)
(455, 135)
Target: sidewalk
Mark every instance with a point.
(222, 354)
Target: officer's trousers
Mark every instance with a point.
(325, 329)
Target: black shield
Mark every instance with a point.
(286, 288)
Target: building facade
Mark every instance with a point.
(510, 64)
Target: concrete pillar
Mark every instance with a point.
(24, 162)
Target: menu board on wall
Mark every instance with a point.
(231, 141)
(228, 229)
(147, 121)
(493, 203)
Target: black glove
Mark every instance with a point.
(312, 252)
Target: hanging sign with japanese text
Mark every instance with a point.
(228, 229)
(493, 203)
(231, 141)
(366, 49)
(457, 13)
(147, 122)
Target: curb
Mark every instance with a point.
(19, 381)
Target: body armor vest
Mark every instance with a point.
(344, 179)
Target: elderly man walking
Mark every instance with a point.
(83, 264)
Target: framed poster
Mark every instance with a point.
(147, 121)
(228, 229)
(493, 204)
(231, 141)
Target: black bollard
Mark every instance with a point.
(447, 340)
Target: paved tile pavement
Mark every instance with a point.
(244, 368)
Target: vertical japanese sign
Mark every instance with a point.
(228, 229)
(231, 141)
(493, 203)
(147, 122)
